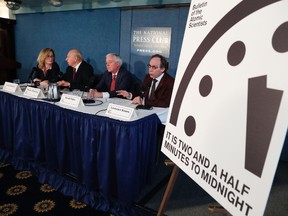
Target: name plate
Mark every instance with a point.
(71, 100)
(11, 87)
(119, 111)
(33, 92)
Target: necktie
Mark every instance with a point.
(74, 73)
(152, 93)
(113, 83)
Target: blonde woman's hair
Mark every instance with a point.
(42, 55)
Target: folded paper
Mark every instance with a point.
(11, 87)
(115, 110)
(71, 100)
(33, 92)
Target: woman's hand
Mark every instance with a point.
(36, 80)
(44, 83)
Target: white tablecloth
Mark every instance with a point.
(101, 105)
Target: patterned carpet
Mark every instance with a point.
(21, 195)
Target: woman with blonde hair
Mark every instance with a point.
(47, 69)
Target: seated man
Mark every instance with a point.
(157, 85)
(114, 78)
(78, 73)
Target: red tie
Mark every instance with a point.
(74, 73)
(113, 82)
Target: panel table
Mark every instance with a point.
(111, 160)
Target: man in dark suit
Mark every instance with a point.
(159, 93)
(114, 78)
(78, 73)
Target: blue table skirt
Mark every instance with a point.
(112, 160)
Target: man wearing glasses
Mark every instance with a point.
(157, 85)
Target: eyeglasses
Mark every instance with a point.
(152, 66)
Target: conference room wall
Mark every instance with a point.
(175, 18)
(95, 33)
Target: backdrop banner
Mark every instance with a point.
(147, 41)
(229, 108)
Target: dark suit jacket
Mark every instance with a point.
(82, 77)
(124, 81)
(163, 91)
(52, 74)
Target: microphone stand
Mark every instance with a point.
(146, 88)
(30, 76)
(88, 100)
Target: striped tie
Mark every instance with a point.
(152, 93)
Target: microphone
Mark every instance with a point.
(31, 74)
(60, 75)
(146, 88)
(149, 84)
(57, 78)
(89, 86)
(91, 83)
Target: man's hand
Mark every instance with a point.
(137, 100)
(63, 83)
(93, 93)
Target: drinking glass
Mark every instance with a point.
(16, 81)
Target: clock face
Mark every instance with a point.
(229, 105)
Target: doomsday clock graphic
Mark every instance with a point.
(229, 108)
